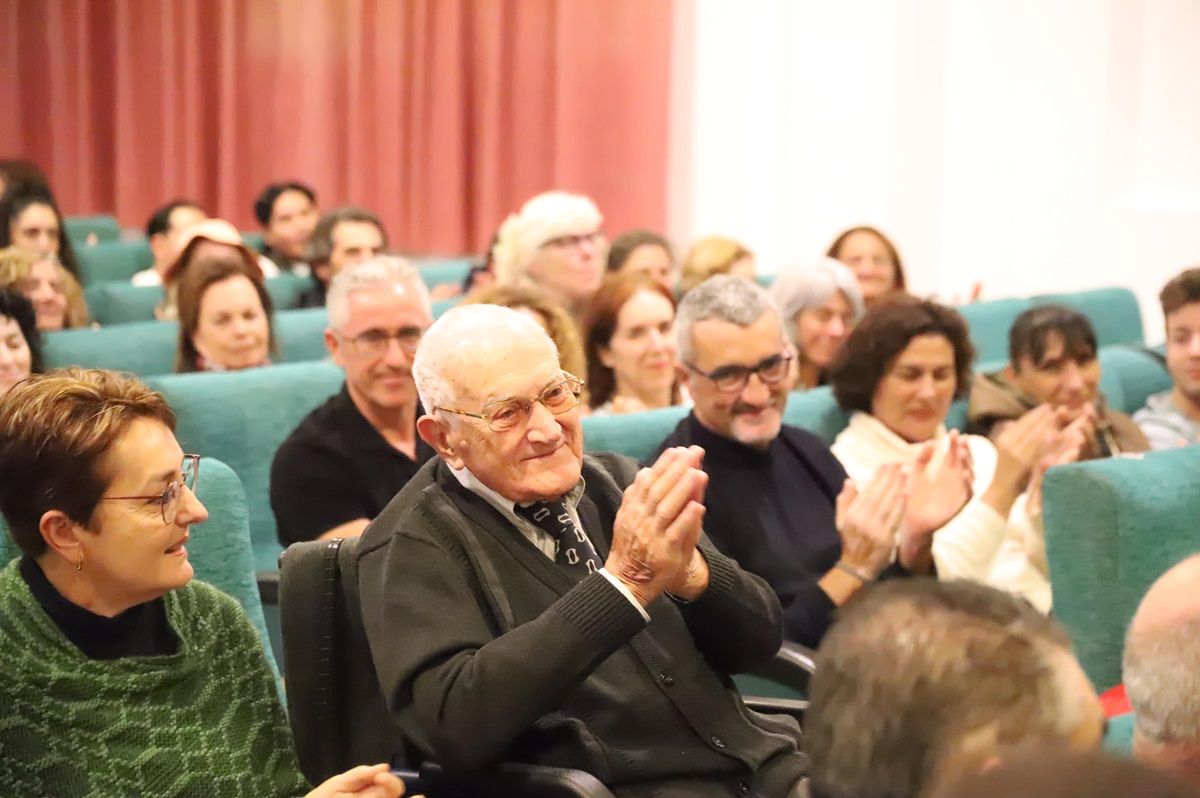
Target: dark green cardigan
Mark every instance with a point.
(205, 721)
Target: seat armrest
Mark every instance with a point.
(792, 666)
(509, 779)
(268, 587)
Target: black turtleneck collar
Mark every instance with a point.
(727, 450)
(140, 631)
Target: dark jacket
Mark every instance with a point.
(486, 651)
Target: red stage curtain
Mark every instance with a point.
(440, 115)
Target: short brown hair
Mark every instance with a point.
(836, 247)
(193, 284)
(912, 667)
(1184, 289)
(54, 430)
(600, 322)
(883, 334)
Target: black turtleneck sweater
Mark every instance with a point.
(773, 511)
(140, 631)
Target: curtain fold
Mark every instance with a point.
(440, 115)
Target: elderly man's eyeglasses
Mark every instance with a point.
(565, 242)
(375, 343)
(171, 499)
(502, 415)
(733, 379)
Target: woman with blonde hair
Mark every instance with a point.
(542, 306)
(51, 288)
(715, 255)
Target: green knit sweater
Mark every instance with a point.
(205, 721)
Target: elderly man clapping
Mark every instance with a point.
(525, 602)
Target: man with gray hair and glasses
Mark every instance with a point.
(525, 602)
(779, 502)
(1162, 672)
(350, 456)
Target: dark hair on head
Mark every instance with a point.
(1063, 773)
(264, 206)
(1030, 334)
(600, 323)
(836, 247)
(13, 205)
(913, 667)
(623, 246)
(55, 430)
(1183, 289)
(320, 246)
(22, 176)
(160, 221)
(193, 283)
(883, 334)
(15, 306)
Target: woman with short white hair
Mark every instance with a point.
(555, 241)
(819, 304)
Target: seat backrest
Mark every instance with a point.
(219, 549)
(300, 334)
(113, 261)
(242, 417)
(634, 435)
(1128, 375)
(142, 348)
(121, 303)
(439, 271)
(1112, 527)
(988, 323)
(103, 227)
(338, 715)
(1114, 313)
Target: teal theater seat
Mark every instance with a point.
(1112, 528)
(113, 261)
(80, 228)
(442, 305)
(989, 323)
(1128, 376)
(635, 435)
(1114, 312)
(437, 271)
(122, 303)
(219, 549)
(142, 348)
(241, 417)
(300, 334)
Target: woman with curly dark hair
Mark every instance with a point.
(901, 369)
(20, 342)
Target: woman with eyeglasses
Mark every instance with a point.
(122, 674)
(225, 317)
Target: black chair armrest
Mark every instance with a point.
(511, 779)
(268, 587)
(792, 666)
(777, 706)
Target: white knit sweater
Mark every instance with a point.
(978, 543)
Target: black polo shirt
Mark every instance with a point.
(336, 467)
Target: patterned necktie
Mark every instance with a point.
(572, 550)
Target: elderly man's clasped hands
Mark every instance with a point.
(657, 529)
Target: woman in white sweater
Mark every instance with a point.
(902, 367)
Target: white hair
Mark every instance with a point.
(1161, 671)
(543, 218)
(379, 271)
(723, 297)
(809, 287)
(473, 330)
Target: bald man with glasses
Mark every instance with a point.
(525, 602)
(779, 502)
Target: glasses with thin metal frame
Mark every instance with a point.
(733, 379)
(565, 242)
(502, 415)
(171, 498)
(375, 343)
